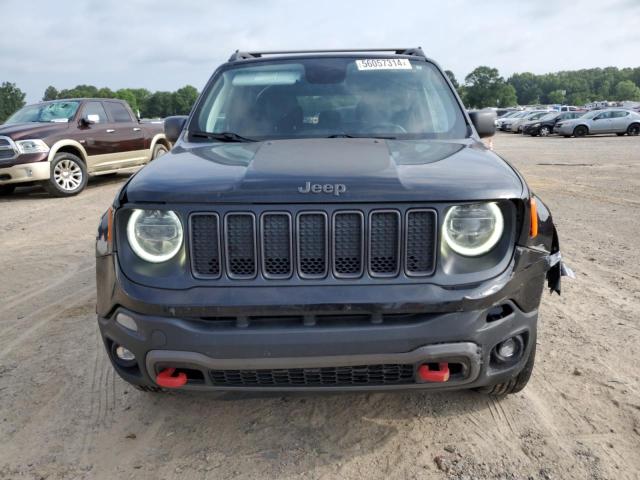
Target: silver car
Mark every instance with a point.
(611, 120)
(516, 126)
(504, 123)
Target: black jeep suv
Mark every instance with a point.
(326, 220)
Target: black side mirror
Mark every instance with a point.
(173, 127)
(484, 122)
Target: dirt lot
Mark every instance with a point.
(64, 414)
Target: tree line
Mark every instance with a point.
(483, 87)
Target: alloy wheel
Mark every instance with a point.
(68, 175)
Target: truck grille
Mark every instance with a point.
(344, 244)
(365, 375)
(6, 149)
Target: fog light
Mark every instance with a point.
(127, 322)
(509, 350)
(124, 354)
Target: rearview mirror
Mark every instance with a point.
(173, 127)
(484, 122)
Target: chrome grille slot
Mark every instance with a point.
(240, 245)
(384, 243)
(348, 244)
(420, 242)
(312, 244)
(276, 245)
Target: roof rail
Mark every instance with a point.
(238, 55)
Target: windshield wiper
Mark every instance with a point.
(350, 135)
(223, 136)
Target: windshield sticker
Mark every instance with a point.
(383, 64)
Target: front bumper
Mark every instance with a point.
(208, 330)
(25, 172)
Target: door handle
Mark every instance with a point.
(110, 130)
(136, 129)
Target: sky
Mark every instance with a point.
(166, 44)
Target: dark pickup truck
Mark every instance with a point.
(58, 144)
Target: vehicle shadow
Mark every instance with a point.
(35, 192)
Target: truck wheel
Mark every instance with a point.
(515, 384)
(7, 189)
(633, 130)
(68, 176)
(158, 151)
(580, 131)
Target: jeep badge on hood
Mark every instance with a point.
(336, 189)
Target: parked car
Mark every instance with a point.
(504, 123)
(293, 239)
(544, 125)
(613, 120)
(516, 125)
(58, 144)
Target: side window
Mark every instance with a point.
(95, 108)
(118, 112)
(603, 115)
(620, 114)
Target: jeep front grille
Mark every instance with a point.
(311, 244)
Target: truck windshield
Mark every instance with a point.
(45, 112)
(329, 97)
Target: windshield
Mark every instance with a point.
(330, 97)
(45, 112)
(550, 116)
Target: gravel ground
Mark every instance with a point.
(64, 414)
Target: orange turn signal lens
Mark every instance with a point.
(109, 224)
(533, 224)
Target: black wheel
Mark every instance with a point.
(633, 130)
(544, 131)
(7, 189)
(68, 176)
(158, 151)
(515, 384)
(580, 131)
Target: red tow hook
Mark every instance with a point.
(166, 379)
(441, 375)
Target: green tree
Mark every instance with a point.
(128, 96)
(627, 90)
(484, 87)
(51, 93)
(527, 86)
(557, 96)
(183, 100)
(11, 99)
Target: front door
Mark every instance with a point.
(601, 123)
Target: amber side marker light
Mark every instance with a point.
(109, 224)
(533, 224)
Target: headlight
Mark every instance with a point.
(32, 146)
(154, 235)
(472, 230)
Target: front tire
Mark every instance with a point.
(515, 384)
(633, 130)
(580, 131)
(68, 176)
(544, 131)
(7, 189)
(158, 151)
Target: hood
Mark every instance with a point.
(21, 131)
(370, 171)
